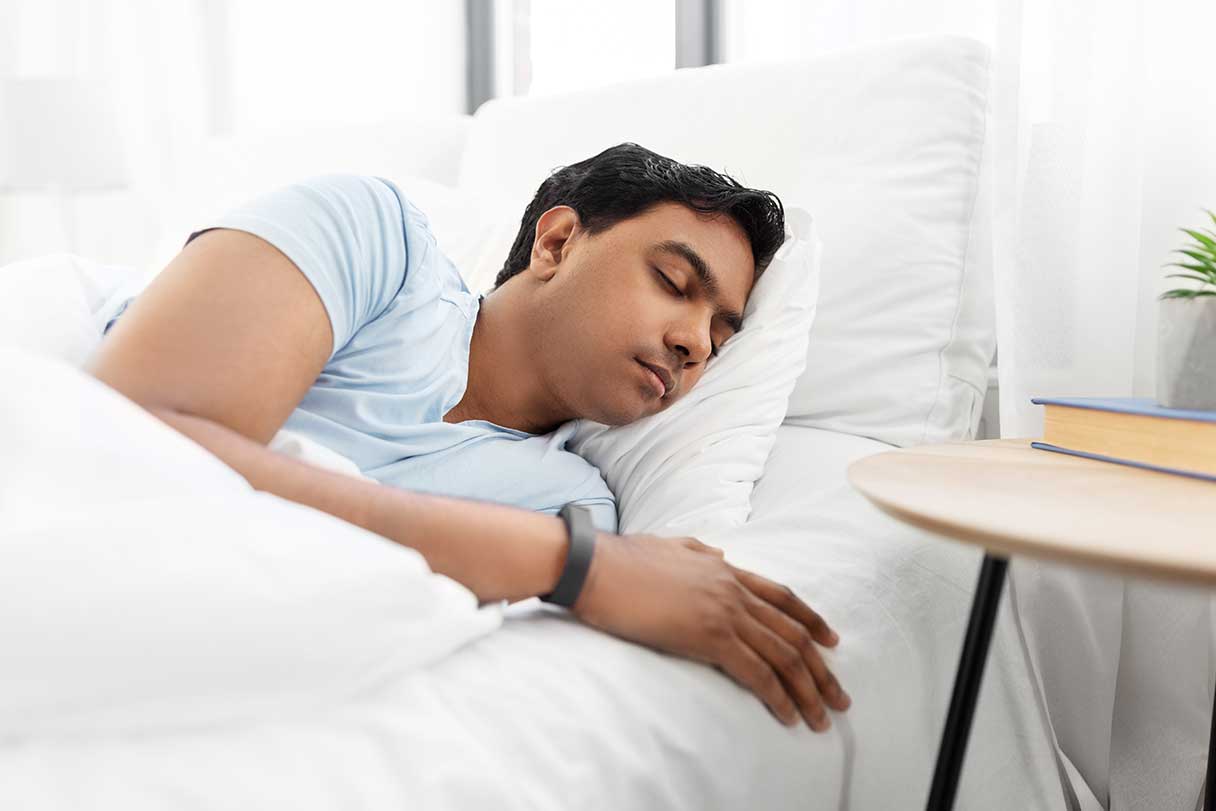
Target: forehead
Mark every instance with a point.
(717, 239)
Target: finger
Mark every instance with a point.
(743, 665)
(797, 636)
(697, 546)
(786, 600)
(790, 667)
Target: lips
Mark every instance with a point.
(662, 374)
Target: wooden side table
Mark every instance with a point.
(1012, 499)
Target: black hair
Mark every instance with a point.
(626, 180)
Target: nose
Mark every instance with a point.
(691, 341)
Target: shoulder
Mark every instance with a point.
(429, 271)
(330, 198)
(369, 226)
(350, 208)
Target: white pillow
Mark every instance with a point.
(44, 308)
(146, 584)
(883, 143)
(691, 468)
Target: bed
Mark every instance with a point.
(545, 713)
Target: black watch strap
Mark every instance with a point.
(581, 531)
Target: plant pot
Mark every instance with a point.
(1186, 352)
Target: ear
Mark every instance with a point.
(554, 229)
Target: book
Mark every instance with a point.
(1131, 431)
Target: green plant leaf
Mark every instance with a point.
(1200, 248)
(1205, 265)
(1200, 276)
(1201, 258)
(1184, 293)
(1192, 277)
(1207, 273)
(1204, 239)
(1210, 214)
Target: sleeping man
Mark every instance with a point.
(326, 308)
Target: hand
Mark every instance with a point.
(681, 596)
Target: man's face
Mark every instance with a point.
(632, 296)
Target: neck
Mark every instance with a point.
(503, 385)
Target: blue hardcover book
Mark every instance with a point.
(1128, 405)
(1133, 431)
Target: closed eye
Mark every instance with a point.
(713, 351)
(670, 283)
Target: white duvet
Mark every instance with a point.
(195, 644)
(544, 713)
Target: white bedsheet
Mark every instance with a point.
(548, 714)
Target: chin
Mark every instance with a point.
(621, 404)
(620, 413)
(616, 418)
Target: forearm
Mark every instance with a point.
(672, 594)
(498, 552)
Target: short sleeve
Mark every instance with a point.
(346, 234)
(603, 513)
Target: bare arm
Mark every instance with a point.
(224, 344)
(227, 340)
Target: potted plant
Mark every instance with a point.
(1186, 327)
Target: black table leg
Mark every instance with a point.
(967, 684)
(1209, 788)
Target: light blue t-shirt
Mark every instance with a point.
(402, 321)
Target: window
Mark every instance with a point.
(560, 46)
(364, 61)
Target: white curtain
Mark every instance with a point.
(151, 55)
(1105, 132)
(183, 72)
(1103, 124)
(1104, 136)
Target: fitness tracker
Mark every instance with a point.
(581, 532)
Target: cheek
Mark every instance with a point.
(689, 379)
(623, 322)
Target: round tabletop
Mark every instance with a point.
(1013, 499)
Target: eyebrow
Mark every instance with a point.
(733, 318)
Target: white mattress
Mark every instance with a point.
(548, 714)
